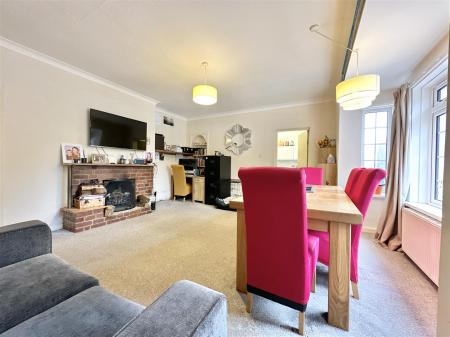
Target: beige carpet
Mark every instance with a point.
(141, 257)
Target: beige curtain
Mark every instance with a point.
(389, 231)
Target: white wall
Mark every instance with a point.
(321, 118)
(174, 135)
(44, 106)
(439, 51)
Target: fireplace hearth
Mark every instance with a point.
(121, 193)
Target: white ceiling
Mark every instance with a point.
(260, 53)
(395, 35)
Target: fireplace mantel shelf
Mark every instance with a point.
(110, 165)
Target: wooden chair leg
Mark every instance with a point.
(301, 323)
(313, 285)
(355, 291)
(249, 304)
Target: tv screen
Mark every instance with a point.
(116, 131)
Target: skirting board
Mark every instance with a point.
(369, 230)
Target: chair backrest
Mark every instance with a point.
(362, 184)
(179, 178)
(314, 175)
(277, 234)
(364, 187)
(351, 180)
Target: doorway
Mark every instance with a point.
(292, 148)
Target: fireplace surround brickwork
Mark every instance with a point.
(78, 220)
(142, 174)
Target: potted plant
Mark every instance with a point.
(380, 189)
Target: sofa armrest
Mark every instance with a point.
(24, 240)
(186, 309)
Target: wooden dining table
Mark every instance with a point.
(329, 210)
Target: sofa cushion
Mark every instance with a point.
(94, 312)
(186, 309)
(32, 286)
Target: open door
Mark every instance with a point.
(292, 148)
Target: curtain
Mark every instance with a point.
(389, 230)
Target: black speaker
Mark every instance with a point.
(217, 178)
(159, 141)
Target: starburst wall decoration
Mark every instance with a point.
(237, 139)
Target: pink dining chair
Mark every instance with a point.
(361, 185)
(314, 175)
(281, 256)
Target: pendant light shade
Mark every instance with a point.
(204, 94)
(358, 92)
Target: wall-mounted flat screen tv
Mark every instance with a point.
(116, 131)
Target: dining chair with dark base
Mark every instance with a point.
(314, 175)
(360, 188)
(281, 256)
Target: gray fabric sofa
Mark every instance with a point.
(42, 296)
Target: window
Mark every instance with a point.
(428, 103)
(441, 94)
(439, 117)
(375, 133)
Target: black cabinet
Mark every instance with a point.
(217, 178)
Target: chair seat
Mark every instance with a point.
(184, 191)
(94, 312)
(323, 250)
(32, 286)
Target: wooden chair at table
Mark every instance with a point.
(361, 185)
(180, 187)
(281, 257)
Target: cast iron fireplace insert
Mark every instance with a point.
(121, 193)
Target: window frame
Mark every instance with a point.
(436, 103)
(372, 109)
(438, 109)
(422, 98)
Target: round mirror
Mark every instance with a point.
(237, 139)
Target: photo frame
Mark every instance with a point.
(71, 152)
(98, 158)
(168, 121)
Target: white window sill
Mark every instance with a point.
(379, 196)
(426, 209)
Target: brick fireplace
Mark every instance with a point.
(78, 220)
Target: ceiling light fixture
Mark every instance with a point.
(357, 92)
(204, 94)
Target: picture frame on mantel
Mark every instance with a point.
(71, 152)
(98, 158)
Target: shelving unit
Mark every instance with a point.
(174, 153)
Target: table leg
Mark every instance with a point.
(241, 253)
(339, 275)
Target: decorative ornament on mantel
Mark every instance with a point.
(204, 94)
(237, 139)
(357, 92)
